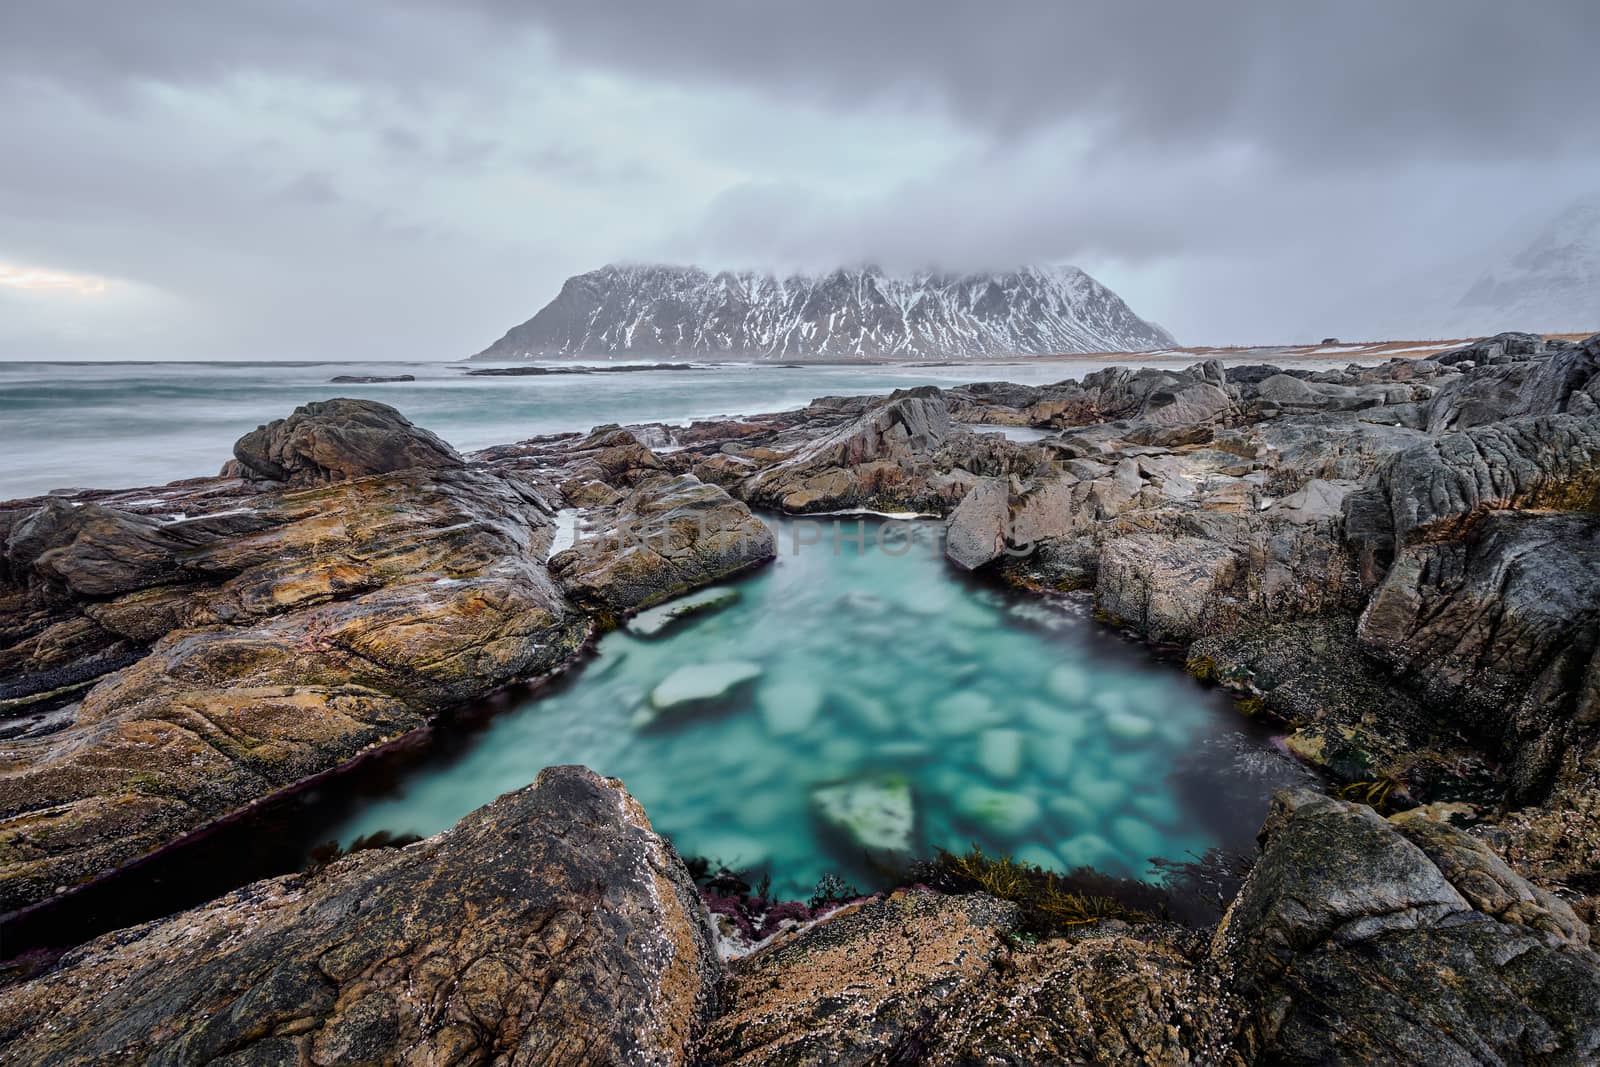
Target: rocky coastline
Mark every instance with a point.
(1398, 565)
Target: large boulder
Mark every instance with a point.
(666, 536)
(1199, 402)
(92, 550)
(922, 978)
(980, 526)
(1568, 381)
(912, 962)
(1170, 588)
(304, 626)
(330, 440)
(1357, 940)
(1481, 396)
(1180, 575)
(1501, 349)
(552, 926)
(881, 459)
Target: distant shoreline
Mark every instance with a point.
(1355, 350)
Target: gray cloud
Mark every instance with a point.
(1330, 79)
(308, 179)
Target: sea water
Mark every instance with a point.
(120, 425)
(869, 663)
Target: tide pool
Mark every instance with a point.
(858, 702)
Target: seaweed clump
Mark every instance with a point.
(329, 851)
(750, 907)
(1050, 902)
(831, 890)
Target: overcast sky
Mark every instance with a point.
(299, 179)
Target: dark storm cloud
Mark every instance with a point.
(1330, 78)
(421, 174)
(100, 48)
(1359, 75)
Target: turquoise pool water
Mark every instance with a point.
(878, 704)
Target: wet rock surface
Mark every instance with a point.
(552, 926)
(945, 980)
(669, 535)
(913, 959)
(1355, 939)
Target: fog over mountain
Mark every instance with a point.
(293, 180)
(1551, 283)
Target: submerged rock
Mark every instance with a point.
(1000, 753)
(370, 379)
(1005, 813)
(544, 927)
(876, 814)
(1129, 727)
(700, 682)
(658, 620)
(790, 705)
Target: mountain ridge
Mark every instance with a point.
(650, 310)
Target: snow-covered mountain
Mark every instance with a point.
(1552, 285)
(648, 311)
